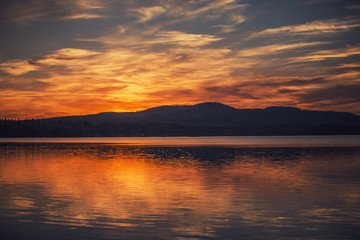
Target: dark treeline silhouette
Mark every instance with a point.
(206, 119)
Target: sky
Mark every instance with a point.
(75, 57)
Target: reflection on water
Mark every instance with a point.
(240, 141)
(106, 191)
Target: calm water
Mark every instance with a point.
(193, 188)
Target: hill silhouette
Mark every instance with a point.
(205, 119)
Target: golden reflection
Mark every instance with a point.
(84, 186)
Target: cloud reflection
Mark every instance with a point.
(197, 189)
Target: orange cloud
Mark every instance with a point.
(149, 13)
(81, 81)
(83, 16)
(147, 60)
(275, 48)
(18, 67)
(311, 28)
(32, 10)
(328, 54)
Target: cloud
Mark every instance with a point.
(302, 83)
(229, 90)
(146, 41)
(222, 14)
(18, 67)
(57, 58)
(150, 53)
(347, 74)
(264, 89)
(345, 93)
(149, 77)
(328, 54)
(234, 20)
(349, 65)
(312, 28)
(158, 97)
(322, 1)
(72, 53)
(353, 6)
(25, 11)
(181, 38)
(219, 6)
(112, 76)
(275, 48)
(148, 13)
(90, 4)
(82, 16)
(66, 54)
(237, 19)
(20, 85)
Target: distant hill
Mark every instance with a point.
(206, 119)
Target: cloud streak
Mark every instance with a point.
(328, 54)
(149, 13)
(59, 57)
(275, 48)
(26, 11)
(311, 28)
(334, 95)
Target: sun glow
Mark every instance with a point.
(154, 54)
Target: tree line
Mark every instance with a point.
(78, 128)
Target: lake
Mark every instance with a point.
(303, 187)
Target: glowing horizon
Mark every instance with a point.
(88, 56)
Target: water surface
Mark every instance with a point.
(239, 141)
(69, 190)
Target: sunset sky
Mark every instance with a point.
(73, 57)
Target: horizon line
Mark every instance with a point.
(174, 105)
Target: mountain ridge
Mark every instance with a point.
(205, 104)
(204, 119)
(208, 111)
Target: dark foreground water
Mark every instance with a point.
(82, 190)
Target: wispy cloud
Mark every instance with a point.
(311, 28)
(332, 94)
(91, 4)
(149, 13)
(353, 6)
(321, 1)
(124, 76)
(184, 39)
(233, 21)
(219, 6)
(349, 65)
(18, 67)
(226, 12)
(144, 40)
(115, 75)
(23, 85)
(25, 11)
(275, 48)
(328, 54)
(82, 16)
(57, 58)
